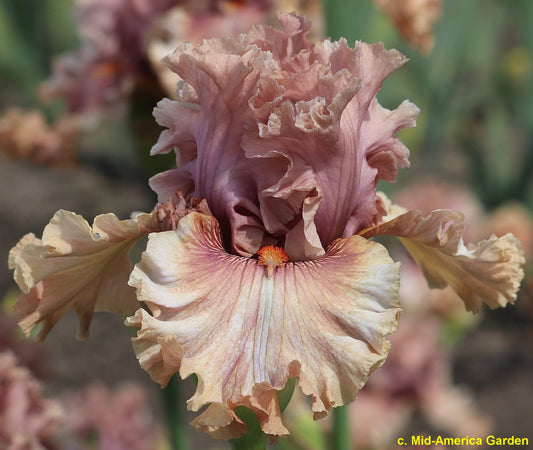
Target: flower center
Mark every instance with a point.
(272, 257)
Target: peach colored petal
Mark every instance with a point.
(219, 422)
(489, 272)
(244, 333)
(14, 259)
(76, 267)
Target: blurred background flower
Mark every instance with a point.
(27, 420)
(79, 81)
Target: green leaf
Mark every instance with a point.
(285, 395)
(254, 439)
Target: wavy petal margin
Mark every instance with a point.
(283, 137)
(76, 267)
(244, 333)
(488, 272)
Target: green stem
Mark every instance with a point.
(285, 395)
(173, 400)
(341, 428)
(525, 177)
(255, 439)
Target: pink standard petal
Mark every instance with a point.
(283, 137)
(326, 120)
(488, 272)
(205, 130)
(244, 334)
(76, 267)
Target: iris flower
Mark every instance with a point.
(273, 274)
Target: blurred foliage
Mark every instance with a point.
(31, 33)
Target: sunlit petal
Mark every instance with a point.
(76, 267)
(244, 333)
(284, 137)
(488, 272)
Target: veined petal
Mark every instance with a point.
(283, 137)
(76, 267)
(223, 74)
(244, 333)
(333, 128)
(488, 272)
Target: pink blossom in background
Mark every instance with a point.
(32, 356)
(415, 379)
(104, 70)
(116, 37)
(27, 420)
(120, 418)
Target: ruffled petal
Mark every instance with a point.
(324, 118)
(76, 267)
(168, 182)
(244, 333)
(488, 272)
(282, 136)
(205, 128)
